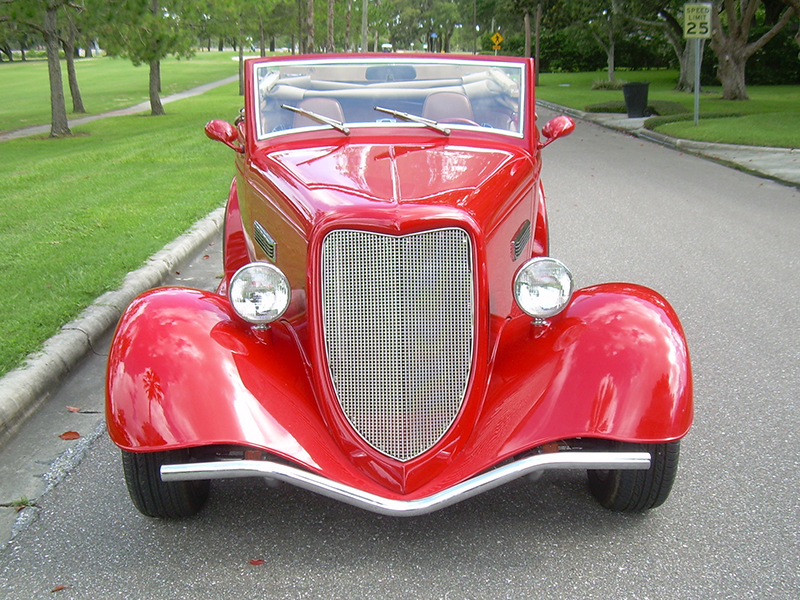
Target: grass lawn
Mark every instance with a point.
(106, 84)
(77, 214)
(770, 118)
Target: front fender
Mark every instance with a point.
(614, 365)
(180, 373)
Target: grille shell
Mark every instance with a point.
(399, 325)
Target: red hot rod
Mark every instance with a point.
(390, 330)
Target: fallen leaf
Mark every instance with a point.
(58, 588)
(70, 435)
(73, 409)
(257, 561)
(206, 257)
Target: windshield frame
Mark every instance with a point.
(513, 69)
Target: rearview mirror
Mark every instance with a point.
(224, 132)
(557, 127)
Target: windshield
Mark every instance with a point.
(442, 94)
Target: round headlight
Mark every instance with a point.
(259, 292)
(543, 287)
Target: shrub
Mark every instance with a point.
(605, 84)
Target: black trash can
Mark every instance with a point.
(635, 93)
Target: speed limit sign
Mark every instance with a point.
(697, 21)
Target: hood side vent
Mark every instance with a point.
(521, 240)
(265, 241)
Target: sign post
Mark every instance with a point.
(497, 39)
(696, 27)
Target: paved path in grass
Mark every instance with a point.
(131, 110)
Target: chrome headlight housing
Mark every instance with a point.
(543, 287)
(259, 293)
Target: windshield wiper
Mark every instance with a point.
(319, 118)
(414, 119)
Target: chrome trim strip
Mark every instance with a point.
(405, 508)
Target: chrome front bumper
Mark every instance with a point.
(406, 508)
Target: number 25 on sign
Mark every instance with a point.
(697, 21)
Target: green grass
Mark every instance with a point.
(105, 83)
(77, 214)
(769, 118)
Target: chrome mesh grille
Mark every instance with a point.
(398, 318)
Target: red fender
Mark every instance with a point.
(182, 371)
(613, 365)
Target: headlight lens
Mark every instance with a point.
(259, 292)
(543, 287)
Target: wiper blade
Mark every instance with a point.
(414, 119)
(319, 118)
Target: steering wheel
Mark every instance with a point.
(458, 121)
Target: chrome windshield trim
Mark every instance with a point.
(406, 508)
(394, 59)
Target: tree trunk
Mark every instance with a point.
(611, 48)
(301, 39)
(69, 53)
(527, 22)
(330, 45)
(156, 108)
(261, 38)
(59, 126)
(732, 46)
(348, 19)
(731, 71)
(310, 26)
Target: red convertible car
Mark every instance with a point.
(390, 330)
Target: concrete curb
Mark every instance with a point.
(23, 390)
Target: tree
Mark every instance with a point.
(68, 42)
(600, 19)
(665, 18)
(146, 31)
(731, 22)
(42, 16)
(795, 5)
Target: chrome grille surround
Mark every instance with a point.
(399, 323)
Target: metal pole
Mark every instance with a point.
(697, 63)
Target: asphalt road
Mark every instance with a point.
(719, 244)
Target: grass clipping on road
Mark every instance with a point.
(77, 214)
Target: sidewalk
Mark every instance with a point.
(131, 110)
(779, 164)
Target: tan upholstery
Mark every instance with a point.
(447, 105)
(327, 107)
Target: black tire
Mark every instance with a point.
(155, 498)
(637, 491)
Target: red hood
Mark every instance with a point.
(436, 173)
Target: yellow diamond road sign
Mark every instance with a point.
(497, 39)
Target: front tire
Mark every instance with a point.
(637, 490)
(155, 498)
